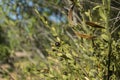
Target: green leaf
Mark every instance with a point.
(102, 14)
(96, 7)
(105, 37)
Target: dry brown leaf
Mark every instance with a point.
(85, 35)
(94, 25)
(70, 15)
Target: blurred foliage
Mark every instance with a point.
(52, 40)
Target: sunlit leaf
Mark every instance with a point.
(96, 7)
(102, 13)
(105, 37)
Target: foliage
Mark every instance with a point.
(38, 42)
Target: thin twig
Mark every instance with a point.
(11, 76)
(115, 29)
(94, 3)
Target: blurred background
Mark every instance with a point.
(49, 40)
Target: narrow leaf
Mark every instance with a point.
(70, 15)
(94, 25)
(85, 35)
